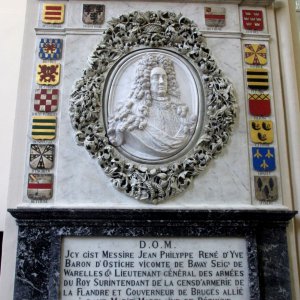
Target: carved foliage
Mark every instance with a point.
(152, 30)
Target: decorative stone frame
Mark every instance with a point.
(152, 30)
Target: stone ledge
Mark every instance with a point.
(153, 215)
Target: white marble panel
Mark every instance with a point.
(79, 180)
(172, 268)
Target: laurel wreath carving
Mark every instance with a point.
(140, 30)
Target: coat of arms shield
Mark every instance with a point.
(253, 19)
(93, 14)
(46, 100)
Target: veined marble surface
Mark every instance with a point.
(79, 180)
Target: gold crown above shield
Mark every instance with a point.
(153, 28)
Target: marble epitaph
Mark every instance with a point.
(154, 268)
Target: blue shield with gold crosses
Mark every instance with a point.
(263, 159)
(50, 49)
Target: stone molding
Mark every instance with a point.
(78, 215)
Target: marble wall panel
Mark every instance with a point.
(79, 181)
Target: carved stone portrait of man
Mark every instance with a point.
(152, 106)
(152, 122)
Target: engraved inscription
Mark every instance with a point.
(145, 268)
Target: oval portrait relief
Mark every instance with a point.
(154, 106)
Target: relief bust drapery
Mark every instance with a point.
(141, 32)
(152, 122)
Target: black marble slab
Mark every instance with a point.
(41, 232)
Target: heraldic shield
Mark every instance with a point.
(253, 19)
(46, 100)
(50, 49)
(41, 156)
(261, 131)
(266, 188)
(263, 159)
(40, 186)
(48, 74)
(259, 105)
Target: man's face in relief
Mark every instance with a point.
(158, 82)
